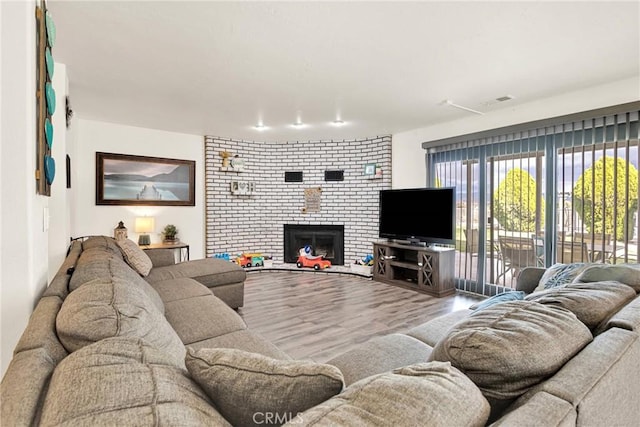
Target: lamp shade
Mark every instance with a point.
(144, 224)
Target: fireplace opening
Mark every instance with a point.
(325, 240)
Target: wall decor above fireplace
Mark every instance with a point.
(334, 175)
(293, 176)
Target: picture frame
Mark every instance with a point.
(370, 169)
(123, 179)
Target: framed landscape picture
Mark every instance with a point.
(122, 179)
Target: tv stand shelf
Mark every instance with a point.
(425, 269)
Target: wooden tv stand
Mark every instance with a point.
(425, 269)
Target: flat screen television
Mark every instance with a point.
(419, 215)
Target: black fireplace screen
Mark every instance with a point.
(325, 240)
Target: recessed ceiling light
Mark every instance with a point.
(260, 126)
(338, 122)
(298, 124)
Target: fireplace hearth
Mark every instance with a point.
(326, 240)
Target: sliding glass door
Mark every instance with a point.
(564, 193)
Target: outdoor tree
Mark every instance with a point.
(515, 201)
(597, 197)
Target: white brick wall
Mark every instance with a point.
(255, 223)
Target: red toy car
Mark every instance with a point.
(317, 262)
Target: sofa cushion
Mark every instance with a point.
(510, 347)
(434, 394)
(177, 289)
(380, 355)
(560, 274)
(434, 330)
(600, 382)
(243, 340)
(135, 257)
(497, 299)
(125, 382)
(629, 274)
(203, 317)
(592, 303)
(262, 384)
(104, 310)
(210, 272)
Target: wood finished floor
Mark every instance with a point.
(318, 315)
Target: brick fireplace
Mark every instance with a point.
(255, 222)
(325, 240)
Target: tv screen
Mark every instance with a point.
(418, 214)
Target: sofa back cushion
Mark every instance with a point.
(23, 387)
(434, 394)
(98, 265)
(629, 274)
(125, 382)
(510, 347)
(115, 309)
(41, 329)
(592, 303)
(102, 242)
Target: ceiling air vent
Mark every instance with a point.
(505, 98)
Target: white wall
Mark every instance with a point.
(89, 219)
(408, 156)
(59, 229)
(24, 244)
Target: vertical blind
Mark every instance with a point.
(566, 192)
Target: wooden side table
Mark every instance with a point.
(182, 247)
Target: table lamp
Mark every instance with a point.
(144, 225)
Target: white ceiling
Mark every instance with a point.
(218, 68)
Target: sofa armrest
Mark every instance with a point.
(528, 279)
(161, 257)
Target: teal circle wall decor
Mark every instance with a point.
(48, 58)
(49, 169)
(48, 132)
(50, 95)
(51, 29)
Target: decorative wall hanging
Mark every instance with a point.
(123, 179)
(243, 188)
(370, 169)
(68, 111)
(312, 198)
(225, 158)
(45, 99)
(68, 164)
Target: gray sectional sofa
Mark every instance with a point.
(105, 346)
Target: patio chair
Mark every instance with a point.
(569, 252)
(595, 243)
(516, 253)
